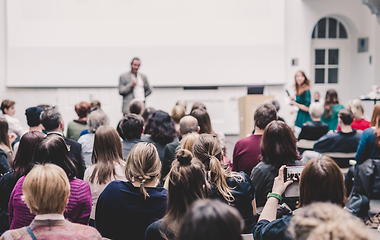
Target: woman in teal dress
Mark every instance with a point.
(332, 108)
(303, 99)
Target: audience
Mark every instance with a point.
(96, 105)
(321, 181)
(187, 183)
(211, 220)
(46, 190)
(357, 108)
(247, 150)
(108, 164)
(315, 129)
(6, 153)
(20, 166)
(160, 130)
(188, 141)
(198, 105)
(52, 121)
(278, 147)
(182, 103)
(77, 126)
(95, 119)
(8, 109)
(187, 124)
(326, 221)
(178, 112)
(276, 104)
(53, 149)
(33, 119)
(131, 127)
(147, 114)
(126, 208)
(332, 108)
(233, 188)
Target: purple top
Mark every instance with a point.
(246, 154)
(77, 211)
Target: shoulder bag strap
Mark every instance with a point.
(31, 233)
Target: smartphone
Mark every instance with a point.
(293, 174)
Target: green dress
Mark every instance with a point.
(333, 121)
(302, 116)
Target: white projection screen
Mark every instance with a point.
(89, 43)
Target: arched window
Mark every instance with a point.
(329, 28)
(327, 38)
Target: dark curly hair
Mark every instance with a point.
(161, 127)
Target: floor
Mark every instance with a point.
(375, 204)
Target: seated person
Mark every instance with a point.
(247, 150)
(344, 141)
(75, 127)
(178, 112)
(46, 190)
(357, 109)
(136, 107)
(131, 127)
(8, 109)
(315, 129)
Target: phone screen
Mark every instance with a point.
(293, 173)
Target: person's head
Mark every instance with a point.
(326, 221)
(211, 220)
(132, 126)
(147, 113)
(143, 165)
(204, 121)
(356, 108)
(188, 124)
(161, 127)
(322, 181)
(187, 183)
(8, 107)
(278, 145)
(52, 120)
(136, 107)
(46, 189)
(188, 140)
(135, 65)
(317, 96)
(198, 105)
(178, 112)
(33, 116)
(82, 109)
(95, 119)
(53, 149)
(316, 110)
(96, 104)
(181, 103)
(106, 152)
(264, 114)
(24, 155)
(346, 117)
(43, 106)
(300, 80)
(275, 103)
(4, 128)
(331, 97)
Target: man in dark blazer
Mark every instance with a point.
(133, 85)
(52, 121)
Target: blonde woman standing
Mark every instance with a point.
(108, 164)
(126, 208)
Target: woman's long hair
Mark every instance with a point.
(187, 183)
(322, 181)
(4, 128)
(106, 152)
(25, 152)
(375, 122)
(208, 149)
(331, 99)
(204, 121)
(306, 83)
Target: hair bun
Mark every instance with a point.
(184, 157)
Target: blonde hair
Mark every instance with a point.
(326, 221)
(188, 141)
(107, 150)
(208, 149)
(356, 108)
(46, 189)
(143, 164)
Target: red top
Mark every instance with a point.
(362, 124)
(246, 154)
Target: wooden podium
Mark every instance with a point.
(247, 107)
